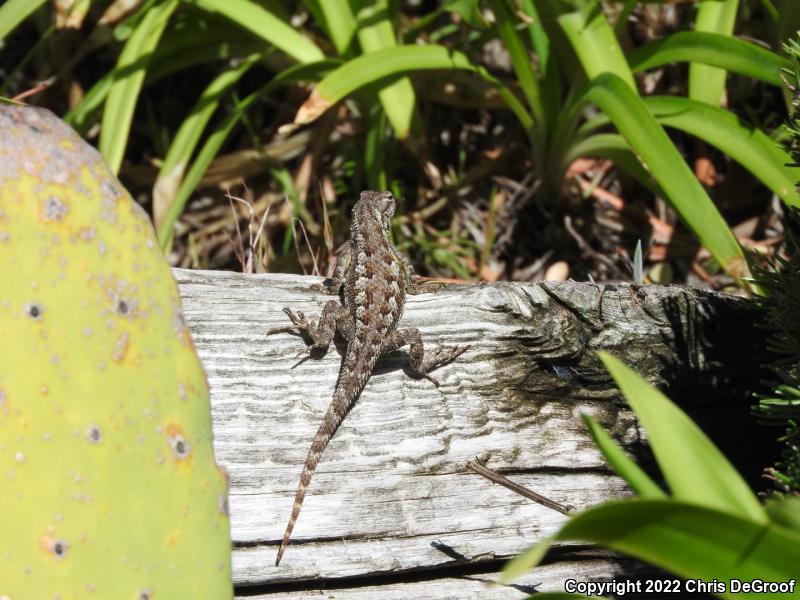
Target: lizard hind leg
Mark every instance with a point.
(421, 362)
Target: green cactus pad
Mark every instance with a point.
(108, 485)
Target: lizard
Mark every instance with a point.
(375, 278)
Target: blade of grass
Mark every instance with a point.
(337, 17)
(538, 35)
(707, 84)
(186, 139)
(747, 145)
(124, 91)
(507, 28)
(638, 267)
(375, 32)
(594, 42)
(259, 21)
(14, 12)
(395, 62)
(646, 137)
(373, 148)
(771, 10)
(550, 84)
(215, 140)
(624, 15)
(789, 21)
(693, 466)
(622, 465)
(731, 54)
(178, 49)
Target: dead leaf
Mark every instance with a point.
(312, 108)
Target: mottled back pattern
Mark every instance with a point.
(375, 287)
(376, 278)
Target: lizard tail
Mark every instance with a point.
(351, 382)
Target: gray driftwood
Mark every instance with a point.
(394, 478)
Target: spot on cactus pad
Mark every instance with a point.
(34, 311)
(54, 209)
(94, 435)
(56, 547)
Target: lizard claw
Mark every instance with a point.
(431, 379)
(304, 352)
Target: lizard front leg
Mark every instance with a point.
(420, 362)
(343, 265)
(334, 318)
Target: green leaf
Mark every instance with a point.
(337, 17)
(707, 84)
(374, 157)
(771, 10)
(691, 541)
(521, 61)
(731, 54)
(549, 75)
(785, 512)
(124, 91)
(375, 32)
(11, 101)
(694, 468)
(594, 42)
(394, 62)
(646, 137)
(789, 19)
(185, 43)
(186, 139)
(619, 461)
(747, 145)
(468, 10)
(14, 12)
(220, 134)
(265, 25)
(624, 15)
(522, 563)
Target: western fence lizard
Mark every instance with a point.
(376, 278)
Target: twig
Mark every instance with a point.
(495, 477)
(587, 249)
(39, 87)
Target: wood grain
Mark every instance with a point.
(394, 477)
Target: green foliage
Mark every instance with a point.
(707, 84)
(781, 285)
(124, 91)
(710, 527)
(565, 56)
(110, 486)
(13, 12)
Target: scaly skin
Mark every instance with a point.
(376, 278)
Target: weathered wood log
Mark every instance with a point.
(394, 478)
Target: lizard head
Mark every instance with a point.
(378, 205)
